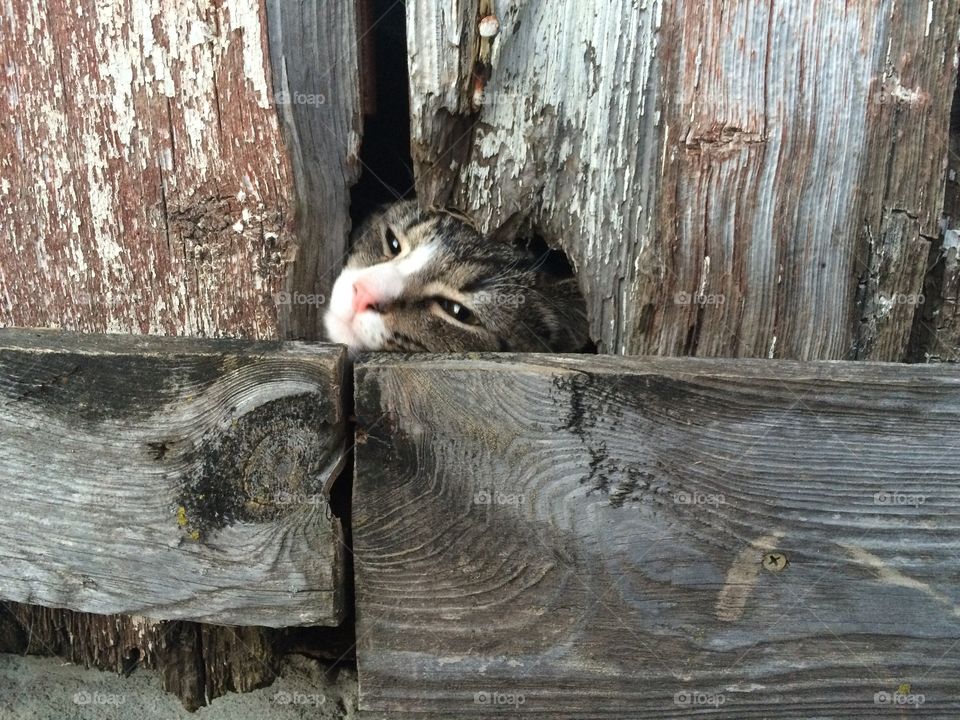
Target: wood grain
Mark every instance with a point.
(729, 178)
(171, 478)
(599, 536)
(145, 182)
(314, 58)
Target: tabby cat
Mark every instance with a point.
(428, 281)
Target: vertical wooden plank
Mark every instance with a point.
(315, 67)
(728, 177)
(907, 142)
(145, 186)
(564, 133)
(765, 141)
(937, 334)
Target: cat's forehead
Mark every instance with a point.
(419, 227)
(439, 250)
(452, 237)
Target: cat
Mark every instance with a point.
(427, 281)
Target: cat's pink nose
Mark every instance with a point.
(364, 298)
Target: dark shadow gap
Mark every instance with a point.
(386, 164)
(386, 176)
(923, 344)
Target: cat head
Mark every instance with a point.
(427, 281)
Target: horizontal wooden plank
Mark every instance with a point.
(652, 537)
(172, 478)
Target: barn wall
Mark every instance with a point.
(148, 183)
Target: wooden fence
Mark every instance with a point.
(570, 536)
(729, 179)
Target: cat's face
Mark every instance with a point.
(426, 281)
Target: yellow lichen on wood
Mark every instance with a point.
(184, 523)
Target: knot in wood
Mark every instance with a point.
(267, 463)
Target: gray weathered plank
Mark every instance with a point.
(171, 478)
(588, 533)
(729, 178)
(314, 58)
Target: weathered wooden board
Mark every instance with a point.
(171, 478)
(315, 63)
(599, 537)
(730, 178)
(146, 184)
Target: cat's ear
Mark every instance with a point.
(574, 333)
(512, 230)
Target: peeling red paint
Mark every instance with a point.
(145, 185)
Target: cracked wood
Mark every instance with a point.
(757, 179)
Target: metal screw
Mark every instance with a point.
(774, 562)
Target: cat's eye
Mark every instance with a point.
(457, 311)
(393, 243)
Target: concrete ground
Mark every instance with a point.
(35, 688)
